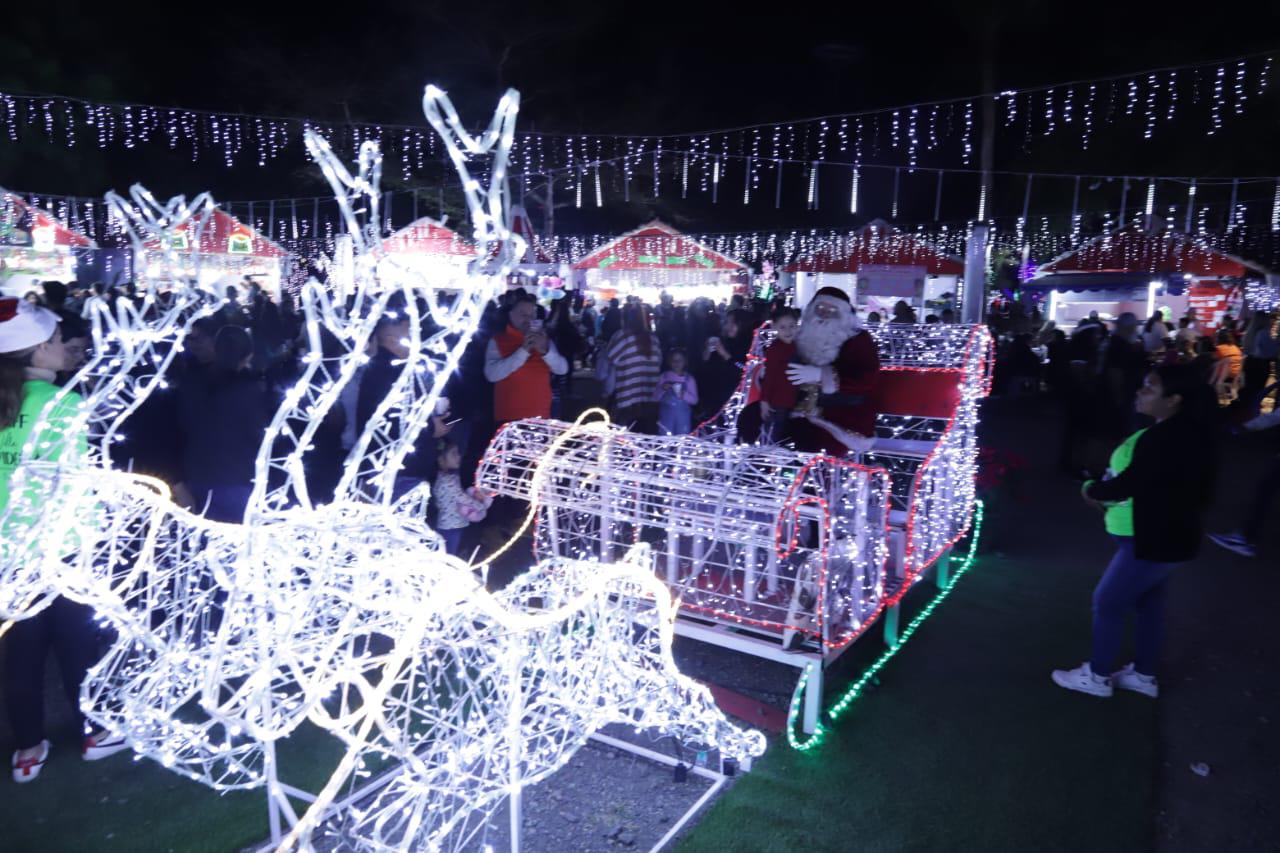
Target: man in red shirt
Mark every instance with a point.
(519, 362)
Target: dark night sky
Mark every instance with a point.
(640, 68)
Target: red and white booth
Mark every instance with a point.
(878, 265)
(34, 243)
(656, 258)
(1134, 269)
(229, 251)
(428, 247)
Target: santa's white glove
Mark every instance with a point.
(804, 374)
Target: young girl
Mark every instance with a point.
(677, 394)
(456, 509)
(778, 395)
(31, 355)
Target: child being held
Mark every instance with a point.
(777, 395)
(456, 509)
(677, 394)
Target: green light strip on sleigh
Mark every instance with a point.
(837, 710)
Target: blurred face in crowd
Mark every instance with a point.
(200, 345)
(394, 338)
(52, 354)
(523, 315)
(787, 327)
(678, 362)
(1152, 402)
(451, 459)
(730, 328)
(77, 351)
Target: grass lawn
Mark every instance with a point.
(967, 744)
(119, 804)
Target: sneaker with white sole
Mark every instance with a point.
(1234, 542)
(101, 744)
(1082, 679)
(27, 769)
(1130, 679)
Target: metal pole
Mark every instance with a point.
(975, 276)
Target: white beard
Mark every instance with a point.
(819, 340)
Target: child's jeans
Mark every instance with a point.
(453, 541)
(675, 416)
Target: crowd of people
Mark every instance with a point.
(661, 369)
(1143, 407)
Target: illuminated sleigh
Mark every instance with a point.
(785, 555)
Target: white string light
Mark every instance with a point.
(230, 636)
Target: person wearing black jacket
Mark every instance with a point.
(392, 336)
(1155, 506)
(224, 416)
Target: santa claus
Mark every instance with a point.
(837, 379)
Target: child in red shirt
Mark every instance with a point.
(777, 394)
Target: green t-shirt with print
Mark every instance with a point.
(1119, 516)
(36, 393)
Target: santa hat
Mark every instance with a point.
(23, 325)
(834, 293)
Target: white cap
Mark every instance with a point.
(23, 325)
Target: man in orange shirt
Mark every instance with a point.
(519, 361)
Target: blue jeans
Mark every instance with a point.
(675, 416)
(1129, 584)
(452, 540)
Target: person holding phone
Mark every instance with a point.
(519, 361)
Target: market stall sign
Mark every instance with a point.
(240, 243)
(608, 262)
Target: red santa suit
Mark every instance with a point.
(844, 417)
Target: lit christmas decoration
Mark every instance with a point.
(237, 139)
(807, 551)
(854, 690)
(347, 615)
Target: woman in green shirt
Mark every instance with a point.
(32, 353)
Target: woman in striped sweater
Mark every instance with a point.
(636, 357)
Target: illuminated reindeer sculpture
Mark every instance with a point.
(349, 615)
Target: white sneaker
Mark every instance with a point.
(27, 769)
(1130, 679)
(101, 744)
(1082, 679)
(1234, 542)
